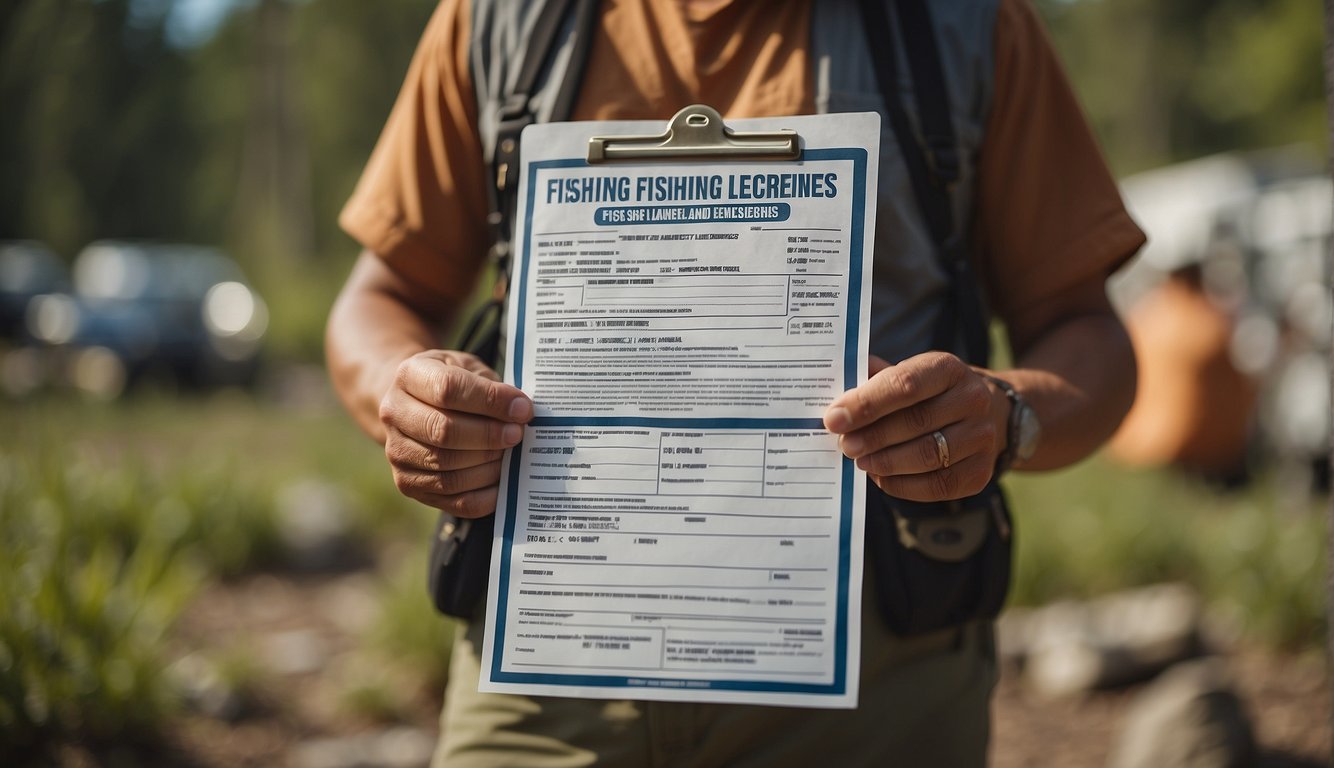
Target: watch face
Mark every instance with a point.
(1030, 432)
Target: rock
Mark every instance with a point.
(1014, 636)
(314, 525)
(405, 747)
(1070, 647)
(351, 603)
(400, 747)
(295, 652)
(1190, 717)
(205, 691)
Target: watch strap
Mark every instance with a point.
(1006, 457)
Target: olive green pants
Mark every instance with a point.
(924, 701)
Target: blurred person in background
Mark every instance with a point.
(1193, 408)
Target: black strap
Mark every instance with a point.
(931, 193)
(549, 21)
(516, 113)
(931, 156)
(933, 109)
(586, 16)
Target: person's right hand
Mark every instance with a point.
(447, 420)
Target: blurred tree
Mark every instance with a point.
(254, 138)
(290, 98)
(96, 138)
(273, 196)
(350, 60)
(1170, 81)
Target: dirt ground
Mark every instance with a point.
(1286, 696)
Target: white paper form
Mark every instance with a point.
(677, 524)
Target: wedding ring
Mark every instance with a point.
(942, 449)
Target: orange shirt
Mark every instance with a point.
(1049, 214)
(1192, 406)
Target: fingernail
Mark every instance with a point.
(511, 434)
(521, 409)
(837, 419)
(852, 445)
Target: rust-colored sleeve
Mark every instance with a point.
(1049, 214)
(421, 201)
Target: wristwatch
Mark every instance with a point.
(1023, 430)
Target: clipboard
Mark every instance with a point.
(686, 299)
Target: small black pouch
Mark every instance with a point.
(460, 564)
(940, 564)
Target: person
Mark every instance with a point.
(1194, 409)
(1045, 227)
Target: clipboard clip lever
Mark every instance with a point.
(697, 132)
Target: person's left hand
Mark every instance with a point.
(889, 425)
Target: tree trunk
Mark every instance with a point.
(275, 205)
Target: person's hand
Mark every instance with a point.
(448, 419)
(889, 426)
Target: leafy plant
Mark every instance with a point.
(1099, 527)
(83, 617)
(112, 517)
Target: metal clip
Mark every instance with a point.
(697, 133)
(949, 538)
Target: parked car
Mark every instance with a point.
(138, 310)
(27, 269)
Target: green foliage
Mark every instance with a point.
(373, 697)
(254, 139)
(95, 130)
(349, 59)
(408, 630)
(1172, 81)
(111, 517)
(1257, 559)
(87, 593)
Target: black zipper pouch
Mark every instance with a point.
(939, 564)
(460, 564)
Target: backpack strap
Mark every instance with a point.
(516, 108)
(482, 334)
(931, 154)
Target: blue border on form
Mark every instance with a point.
(858, 158)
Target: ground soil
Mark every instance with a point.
(1286, 695)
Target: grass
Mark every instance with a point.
(408, 630)
(86, 600)
(1255, 554)
(112, 516)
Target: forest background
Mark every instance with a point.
(245, 124)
